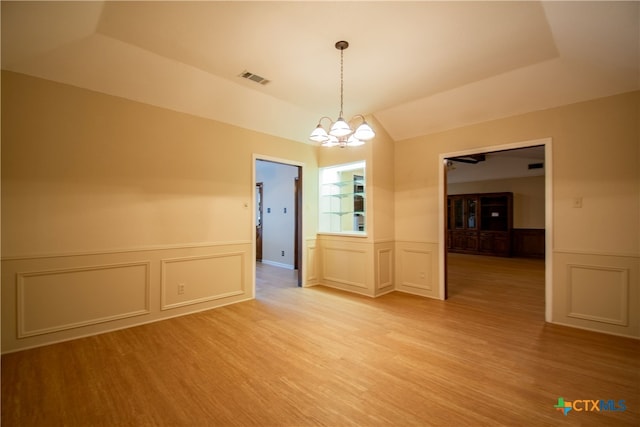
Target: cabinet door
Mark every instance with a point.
(501, 244)
(457, 213)
(471, 213)
(471, 241)
(458, 240)
(486, 242)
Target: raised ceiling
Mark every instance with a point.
(498, 165)
(418, 67)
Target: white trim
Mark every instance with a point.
(277, 264)
(119, 328)
(420, 242)
(600, 331)
(548, 167)
(164, 285)
(548, 233)
(345, 234)
(623, 287)
(121, 251)
(607, 254)
(491, 148)
(22, 331)
(302, 232)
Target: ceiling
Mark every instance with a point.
(497, 165)
(418, 67)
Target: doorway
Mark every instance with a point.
(460, 160)
(278, 216)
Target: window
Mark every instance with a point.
(343, 199)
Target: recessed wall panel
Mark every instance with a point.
(385, 268)
(598, 293)
(312, 273)
(56, 300)
(346, 266)
(192, 280)
(416, 269)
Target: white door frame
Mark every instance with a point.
(302, 266)
(548, 190)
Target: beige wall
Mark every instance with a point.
(528, 197)
(595, 248)
(116, 213)
(108, 205)
(363, 264)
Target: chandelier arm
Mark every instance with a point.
(358, 116)
(325, 117)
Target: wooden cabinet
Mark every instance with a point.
(480, 223)
(463, 227)
(528, 242)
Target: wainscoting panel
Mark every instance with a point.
(192, 280)
(311, 263)
(599, 292)
(346, 266)
(384, 264)
(347, 263)
(59, 297)
(56, 300)
(417, 268)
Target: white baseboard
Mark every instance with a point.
(277, 264)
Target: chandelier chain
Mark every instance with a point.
(340, 132)
(341, 80)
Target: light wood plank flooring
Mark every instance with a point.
(322, 357)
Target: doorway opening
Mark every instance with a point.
(490, 174)
(278, 222)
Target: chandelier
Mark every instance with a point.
(340, 132)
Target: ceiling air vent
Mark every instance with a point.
(254, 77)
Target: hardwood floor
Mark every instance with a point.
(270, 278)
(318, 356)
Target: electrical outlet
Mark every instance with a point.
(282, 253)
(180, 288)
(577, 202)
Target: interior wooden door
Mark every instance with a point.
(298, 225)
(447, 234)
(259, 189)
